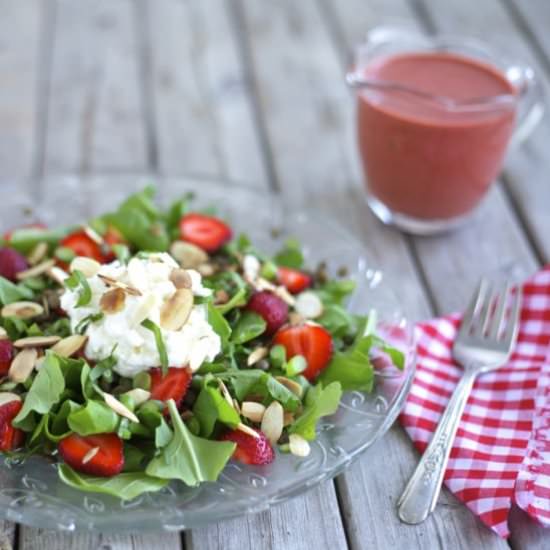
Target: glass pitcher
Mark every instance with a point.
(435, 117)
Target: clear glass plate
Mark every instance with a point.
(30, 490)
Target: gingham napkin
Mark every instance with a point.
(501, 453)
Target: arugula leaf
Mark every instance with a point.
(26, 238)
(161, 348)
(59, 427)
(365, 344)
(10, 292)
(237, 300)
(61, 327)
(175, 212)
(65, 254)
(249, 326)
(337, 320)
(150, 416)
(78, 280)
(352, 370)
(89, 319)
(210, 407)
(319, 402)
(122, 252)
(44, 393)
(188, 457)
(126, 486)
(291, 255)
(219, 324)
(93, 418)
(335, 292)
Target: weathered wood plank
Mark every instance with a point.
(203, 111)
(95, 117)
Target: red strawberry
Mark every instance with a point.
(112, 236)
(78, 452)
(294, 280)
(312, 341)
(206, 232)
(273, 310)
(6, 355)
(82, 245)
(11, 263)
(172, 386)
(10, 437)
(250, 449)
(7, 235)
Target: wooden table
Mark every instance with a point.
(253, 92)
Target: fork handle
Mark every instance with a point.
(420, 495)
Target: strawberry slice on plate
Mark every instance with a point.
(98, 455)
(250, 449)
(313, 342)
(82, 245)
(293, 279)
(6, 356)
(10, 437)
(206, 232)
(172, 386)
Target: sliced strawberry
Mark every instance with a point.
(10, 437)
(82, 245)
(206, 232)
(293, 279)
(312, 341)
(7, 235)
(6, 356)
(113, 236)
(250, 449)
(172, 386)
(273, 310)
(80, 453)
(11, 263)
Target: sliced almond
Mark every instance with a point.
(88, 266)
(8, 397)
(257, 355)
(309, 305)
(22, 310)
(298, 445)
(176, 310)
(247, 430)
(93, 234)
(112, 301)
(138, 395)
(70, 345)
(3, 333)
(288, 418)
(295, 318)
(225, 393)
(143, 310)
(38, 253)
(89, 455)
(58, 275)
(253, 411)
(272, 422)
(22, 365)
(36, 270)
(114, 404)
(180, 278)
(36, 341)
(291, 385)
(236, 406)
(109, 281)
(263, 284)
(188, 255)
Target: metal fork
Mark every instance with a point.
(484, 342)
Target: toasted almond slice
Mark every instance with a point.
(36, 341)
(180, 278)
(206, 270)
(3, 333)
(236, 406)
(88, 266)
(138, 395)
(272, 422)
(298, 445)
(38, 253)
(176, 310)
(112, 301)
(119, 408)
(288, 418)
(257, 355)
(143, 309)
(58, 275)
(70, 345)
(295, 318)
(22, 310)
(109, 281)
(188, 255)
(247, 430)
(93, 234)
(22, 365)
(309, 305)
(8, 397)
(291, 385)
(36, 270)
(89, 455)
(225, 393)
(253, 411)
(263, 284)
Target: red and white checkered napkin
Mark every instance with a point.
(502, 450)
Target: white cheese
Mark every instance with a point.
(136, 350)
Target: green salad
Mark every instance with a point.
(152, 345)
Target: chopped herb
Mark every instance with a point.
(86, 321)
(155, 329)
(78, 280)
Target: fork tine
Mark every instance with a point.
(470, 313)
(500, 312)
(486, 310)
(513, 322)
